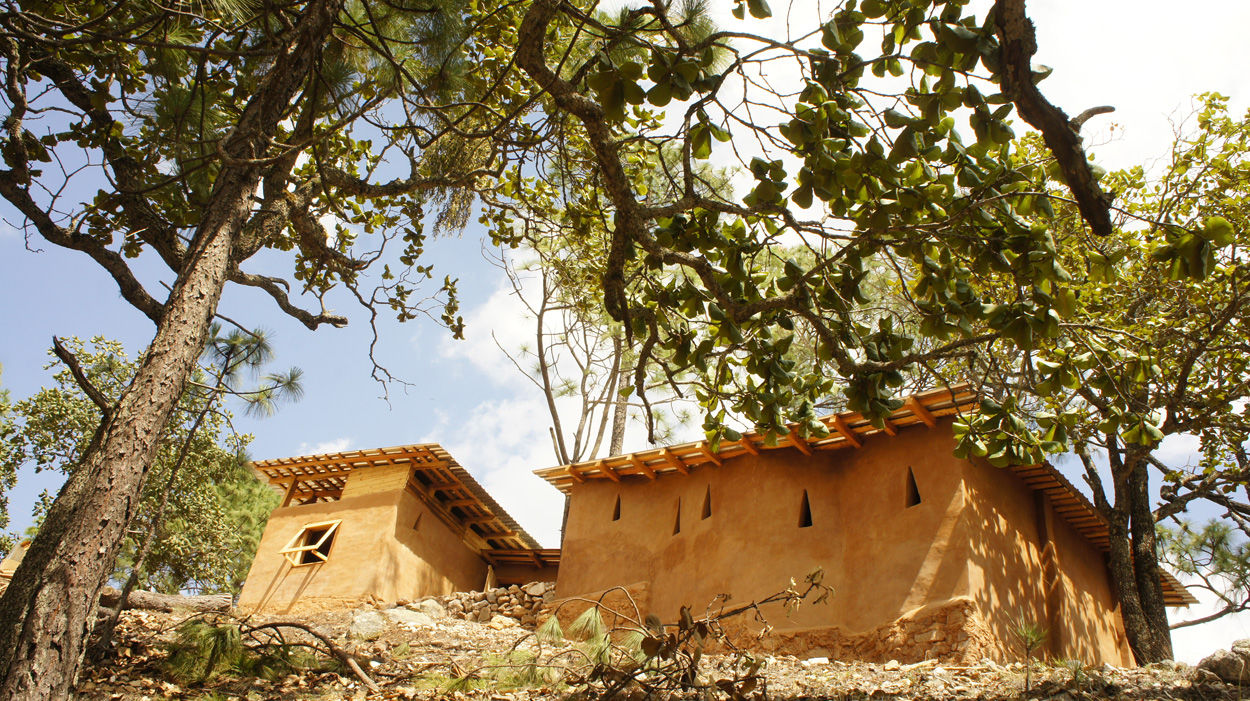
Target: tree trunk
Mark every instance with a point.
(47, 611)
(49, 607)
(1124, 581)
(620, 410)
(1146, 562)
(104, 632)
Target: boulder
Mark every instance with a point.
(1229, 665)
(501, 622)
(367, 625)
(410, 618)
(431, 608)
(535, 589)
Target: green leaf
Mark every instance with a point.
(759, 9)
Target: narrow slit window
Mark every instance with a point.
(805, 512)
(707, 503)
(417, 525)
(616, 510)
(311, 546)
(677, 519)
(913, 492)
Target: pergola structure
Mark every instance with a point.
(435, 478)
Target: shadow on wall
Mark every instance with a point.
(279, 578)
(420, 577)
(1006, 544)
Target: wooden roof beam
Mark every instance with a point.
(290, 491)
(920, 412)
(799, 442)
(572, 471)
(642, 466)
(840, 425)
(707, 453)
(749, 445)
(888, 426)
(675, 461)
(604, 468)
(470, 520)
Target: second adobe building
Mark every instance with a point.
(929, 556)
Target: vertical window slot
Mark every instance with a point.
(913, 492)
(805, 512)
(707, 503)
(616, 510)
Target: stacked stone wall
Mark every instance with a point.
(521, 602)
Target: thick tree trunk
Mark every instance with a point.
(1124, 581)
(47, 611)
(1146, 563)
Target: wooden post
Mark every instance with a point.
(290, 491)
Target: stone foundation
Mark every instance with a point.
(950, 632)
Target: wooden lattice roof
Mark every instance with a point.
(849, 429)
(435, 477)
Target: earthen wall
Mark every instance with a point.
(377, 554)
(1029, 567)
(884, 559)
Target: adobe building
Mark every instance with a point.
(383, 525)
(929, 556)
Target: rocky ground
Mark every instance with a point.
(421, 651)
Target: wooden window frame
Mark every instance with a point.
(294, 552)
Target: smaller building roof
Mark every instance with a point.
(436, 478)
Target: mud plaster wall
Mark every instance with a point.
(1089, 625)
(524, 574)
(1016, 577)
(883, 559)
(376, 554)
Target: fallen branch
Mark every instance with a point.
(153, 601)
(331, 649)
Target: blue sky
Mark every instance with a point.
(1145, 58)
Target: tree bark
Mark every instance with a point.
(1124, 582)
(1146, 563)
(47, 611)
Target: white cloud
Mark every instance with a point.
(334, 445)
(500, 443)
(1179, 450)
(502, 319)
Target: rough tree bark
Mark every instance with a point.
(1158, 646)
(47, 611)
